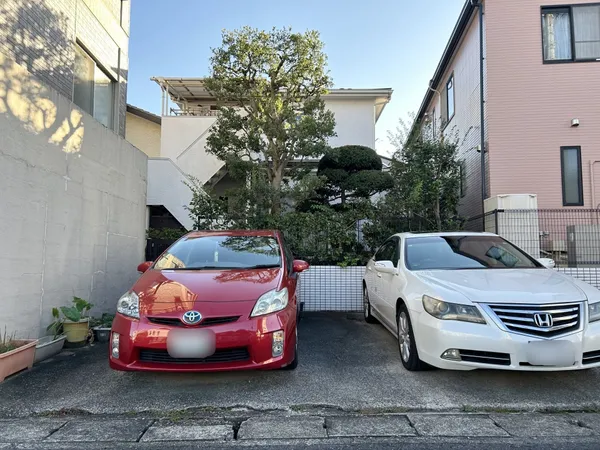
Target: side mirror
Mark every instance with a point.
(299, 266)
(547, 263)
(385, 267)
(144, 266)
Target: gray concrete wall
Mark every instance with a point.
(72, 205)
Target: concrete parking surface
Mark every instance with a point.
(346, 365)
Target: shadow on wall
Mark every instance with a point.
(29, 52)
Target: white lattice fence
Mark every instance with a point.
(333, 288)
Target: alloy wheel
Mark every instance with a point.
(404, 336)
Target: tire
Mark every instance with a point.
(294, 363)
(367, 307)
(406, 342)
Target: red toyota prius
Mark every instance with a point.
(213, 301)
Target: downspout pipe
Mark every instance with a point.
(479, 5)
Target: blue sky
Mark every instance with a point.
(370, 44)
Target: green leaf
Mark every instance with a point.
(71, 313)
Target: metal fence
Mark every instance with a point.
(571, 237)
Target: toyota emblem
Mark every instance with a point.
(191, 317)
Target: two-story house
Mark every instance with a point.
(188, 113)
(519, 80)
(539, 63)
(72, 189)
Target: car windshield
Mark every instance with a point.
(221, 252)
(465, 252)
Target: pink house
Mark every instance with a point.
(540, 65)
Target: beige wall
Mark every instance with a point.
(72, 202)
(144, 134)
(531, 105)
(465, 125)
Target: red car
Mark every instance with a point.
(212, 301)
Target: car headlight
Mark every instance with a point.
(451, 311)
(594, 312)
(270, 302)
(129, 305)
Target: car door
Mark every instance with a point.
(388, 287)
(376, 290)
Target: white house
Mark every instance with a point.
(189, 112)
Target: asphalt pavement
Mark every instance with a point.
(345, 365)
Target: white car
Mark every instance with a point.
(467, 301)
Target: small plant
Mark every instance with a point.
(74, 313)
(105, 321)
(56, 327)
(78, 311)
(8, 343)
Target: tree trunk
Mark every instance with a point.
(438, 218)
(276, 194)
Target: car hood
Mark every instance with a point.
(530, 286)
(162, 291)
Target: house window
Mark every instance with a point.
(572, 183)
(93, 89)
(450, 99)
(571, 33)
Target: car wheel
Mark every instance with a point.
(294, 363)
(367, 307)
(406, 342)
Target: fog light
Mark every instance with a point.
(452, 355)
(115, 345)
(277, 347)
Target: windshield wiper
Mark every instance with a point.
(203, 268)
(263, 266)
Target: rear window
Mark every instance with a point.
(221, 252)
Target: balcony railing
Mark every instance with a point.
(194, 111)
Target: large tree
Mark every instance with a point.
(352, 172)
(268, 86)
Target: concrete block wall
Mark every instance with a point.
(72, 205)
(41, 36)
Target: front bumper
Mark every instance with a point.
(140, 338)
(500, 349)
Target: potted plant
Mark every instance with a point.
(15, 354)
(102, 327)
(76, 322)
(51, 344)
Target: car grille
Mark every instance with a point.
(546, 321)
(591, 357)
(220, 356)
(499, 359)
(176, 321)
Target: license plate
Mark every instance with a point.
(191, 343)
(551, 353)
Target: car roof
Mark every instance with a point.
(442, 234)
(200, 233)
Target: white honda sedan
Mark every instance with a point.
(469, 301)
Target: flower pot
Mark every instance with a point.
(101, 334)
(48, 347)
(17, 359)
(76, 331)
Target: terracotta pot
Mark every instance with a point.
(76, 331)
(17, 359)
